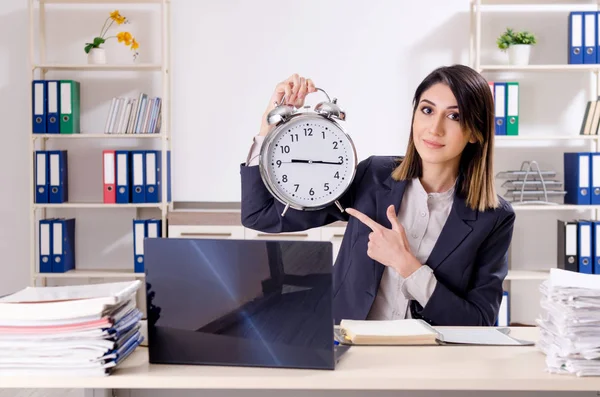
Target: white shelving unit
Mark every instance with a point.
(478, 7)
(39, 69)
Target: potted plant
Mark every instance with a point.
(518, 45)
(96, 54)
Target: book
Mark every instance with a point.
(389, 332)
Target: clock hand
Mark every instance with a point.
(315, 162)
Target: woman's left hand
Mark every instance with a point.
(389, 246)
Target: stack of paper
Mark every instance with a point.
(73, 330)
(570, 323)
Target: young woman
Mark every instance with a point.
(427, 235)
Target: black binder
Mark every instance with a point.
(566, 245)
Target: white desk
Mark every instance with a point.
(361, 368)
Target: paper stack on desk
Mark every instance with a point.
(72, 330)
(570, 323)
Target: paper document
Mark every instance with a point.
(479, 336)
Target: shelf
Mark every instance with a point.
(103, 1)
(82, 273)
(559, 207)
(96, 136)
(528, 275)
(540, 68)
(108, 67)
(546, 137)
(98, 205)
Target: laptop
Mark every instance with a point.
(263, 303)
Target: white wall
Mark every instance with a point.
(369, 57)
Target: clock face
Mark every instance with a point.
(310, 161)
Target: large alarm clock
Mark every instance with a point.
(308, 161)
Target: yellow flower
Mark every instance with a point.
(124, 37)
(117, 17)
(134, 44)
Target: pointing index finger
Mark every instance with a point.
(364, 219)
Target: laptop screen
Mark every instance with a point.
(239, 302)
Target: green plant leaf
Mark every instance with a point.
(98, 41)
(88, 47)
(510, 37)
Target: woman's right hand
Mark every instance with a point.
(294, 89)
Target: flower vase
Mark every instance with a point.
(518, 54)
(97, 56)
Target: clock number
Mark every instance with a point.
(284, 178)
(311, 192)
(337, 175)
(323, 132)
(326, 187)
(278, 163)
(308, 132)
(296, 186)
(335, 144)
(341, 159)
(285, 149)
(294, 137)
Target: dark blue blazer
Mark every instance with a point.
(469, 259)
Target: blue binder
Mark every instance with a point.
(58, 176)
(138, 177)
(596, 247)
(500, 108)
(53, 107)
(595, 178)
(45, 245)
(41, 177)
(39, 106)
(152, 184)
(584, 246)
(577, 178)
(575, 41)
(139, 234)
(590, 35)
(63, 245)
(123, 176)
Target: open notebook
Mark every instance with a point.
(418, 332)
(394, 332)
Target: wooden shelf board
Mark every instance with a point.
(83, 273)
(97, 136)
(98, 205)
(107, 67)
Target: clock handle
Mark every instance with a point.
(337, 203)
(317, 88)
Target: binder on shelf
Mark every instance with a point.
(53, 115)
(584, 246)
(590, 33)
(500, 107)
(512, 108)
(595, 179)
(139, 234)
(63, 245)
(152, 178)
(589, 124)
(577, 178)
(45, 245)
(575, 37)
(59, 176)
(123, 182)
(596, 247)
(567, 245)
(138, 170)
(142, 229)
(109, 176)
(69, 107)
(41, 177)
(504, 312)
(39, 106)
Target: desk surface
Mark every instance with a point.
(361, 368)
